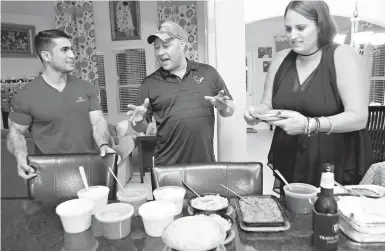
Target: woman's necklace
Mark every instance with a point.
(306, 55)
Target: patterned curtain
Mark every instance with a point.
(76, 18)
(185, 15)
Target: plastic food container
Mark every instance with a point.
(116, 220)
(75, 215)
(194, 233)
(300, 198)
(365, 215)
(80, 242)
(134, 196)
(156, 216)
(97, 194)
(174, 194)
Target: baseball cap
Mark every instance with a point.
(166, 31)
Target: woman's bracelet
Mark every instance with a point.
(308, 131)
(317, 129)
(330, 127)
(307, 126)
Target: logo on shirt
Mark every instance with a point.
(198, 80)
(80, 99)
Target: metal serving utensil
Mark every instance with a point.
(238, 196)
(190, 189)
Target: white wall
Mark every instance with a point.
(35, 13)
(230, 63)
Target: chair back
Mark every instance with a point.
(376, 130)
(58, 176)
(245, 178)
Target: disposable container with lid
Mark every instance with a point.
(174, 194)
(97, 194)
(134, 196)
(156, 216)
(75, 215)
(116, 220)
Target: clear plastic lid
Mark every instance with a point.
(132, 194)
(114, 212)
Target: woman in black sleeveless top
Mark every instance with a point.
(322, 93)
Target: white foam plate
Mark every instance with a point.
(220, 248)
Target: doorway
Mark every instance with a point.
(249, 82)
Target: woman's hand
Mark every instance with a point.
(250, 114)
(293, 123)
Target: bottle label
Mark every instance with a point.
(325, 231)
(327, 180)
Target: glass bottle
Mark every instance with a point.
(325, 213)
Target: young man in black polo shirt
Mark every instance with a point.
(180, 95)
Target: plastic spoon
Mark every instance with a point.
(282, 178)
(120, 184)
(84, 177)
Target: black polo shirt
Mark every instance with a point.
(184, 119)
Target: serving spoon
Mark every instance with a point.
(190, 189)
(251, 204)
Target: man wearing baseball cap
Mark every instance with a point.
(181, 95)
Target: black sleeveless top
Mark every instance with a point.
(299, 158)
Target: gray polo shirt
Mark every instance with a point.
(184, 119)
(59, 121)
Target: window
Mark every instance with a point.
(131, 70)
(102, 81)
(377, 86)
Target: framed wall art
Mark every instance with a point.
(125, 20)
(17, 40)
(265, 52)
(266, 65)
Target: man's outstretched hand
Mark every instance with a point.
(136, 113)
(219, 101)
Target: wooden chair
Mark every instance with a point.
(376, 130)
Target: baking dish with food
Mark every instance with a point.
(266, 212)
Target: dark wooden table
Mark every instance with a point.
(27, 225)
(146, 146)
